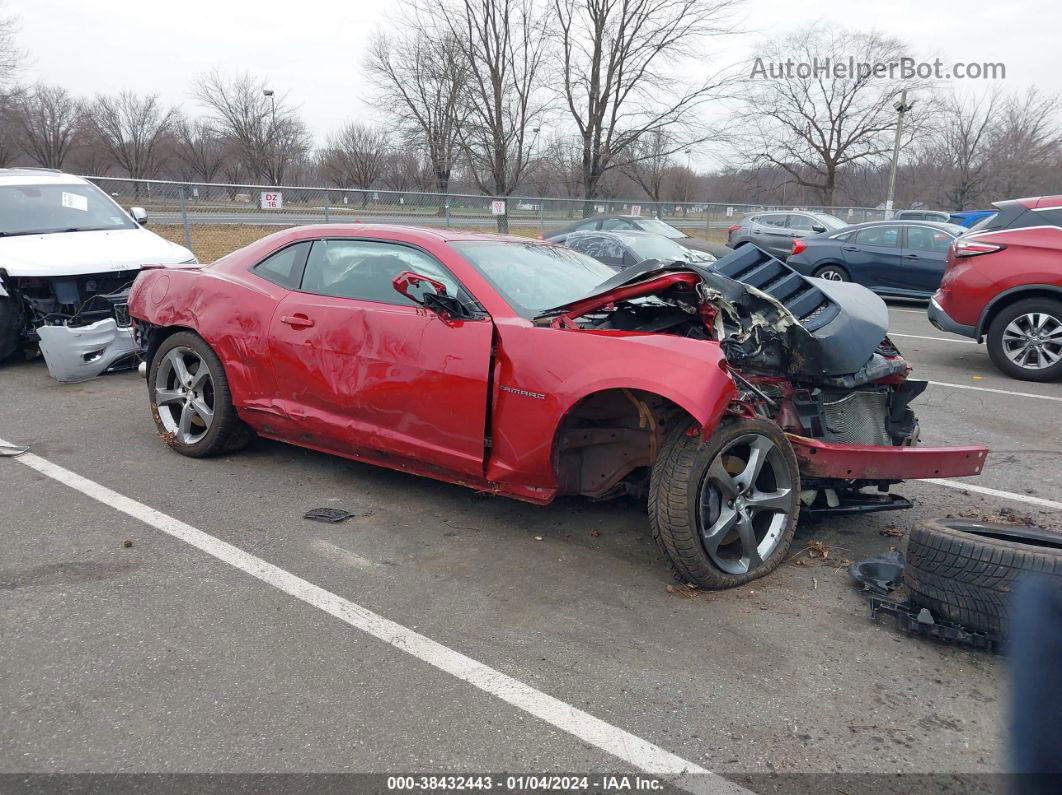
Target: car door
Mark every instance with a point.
(359, 367)
(925, 253)
(770, 233)
(800, 225)
(872, 256)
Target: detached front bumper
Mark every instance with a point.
(890, 463)
(79, 353)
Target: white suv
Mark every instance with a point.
(68, 256)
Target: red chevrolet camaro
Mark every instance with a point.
(732, 396)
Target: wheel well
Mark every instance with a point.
(156, 335)
(1009, 299)
(831, 264)
(606, 443)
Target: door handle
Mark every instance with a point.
(755, 231)
(296, 321)
(911, 256)
(849, 248)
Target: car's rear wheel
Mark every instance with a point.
(832, 273)
(190, 399)
(1025, 340)
(725, 511)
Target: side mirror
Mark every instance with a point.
(429, 293)
(139, 215)
(818, 228)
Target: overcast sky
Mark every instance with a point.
(314, 50)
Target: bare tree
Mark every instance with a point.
(48, 120)
(1025, 144)
(419, 76)
(200, 147)
(132, 128)
(615, 75)
(814, 125)
(404, 171)
(502, 44)
(354, 157)
(11, 56)
(649, 162)
(266, 132)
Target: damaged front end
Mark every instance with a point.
(80, 323)
(810, 355)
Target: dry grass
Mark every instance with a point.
(213, 241)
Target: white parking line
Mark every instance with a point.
(623, 745)
(913, 311)
(996, 391)
(1006, 495)
(937, 339)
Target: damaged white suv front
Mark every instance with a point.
(68, 256)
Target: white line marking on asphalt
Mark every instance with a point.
(623, 745)
(1006, 495)
(938, 339)
(913, 311)
(996, 391)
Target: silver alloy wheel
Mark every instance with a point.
(184, 395)
(1033, 341)
(832, 275)
(744, 502)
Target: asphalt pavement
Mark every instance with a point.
(126, 647)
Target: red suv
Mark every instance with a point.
(1004, 281)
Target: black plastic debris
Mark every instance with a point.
(916, 620)
(331, 515)
(880, 575)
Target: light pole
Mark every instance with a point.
(902, 107)
(268, 92)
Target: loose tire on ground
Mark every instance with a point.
(1011, 317)
(689, 498)
(965, 572)
(224, 432)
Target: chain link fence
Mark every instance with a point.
(203, 212)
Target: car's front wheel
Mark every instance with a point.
(1025, 340)
(725, 511)
(832, 273)
(190, 399)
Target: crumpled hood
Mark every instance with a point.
(77, 253)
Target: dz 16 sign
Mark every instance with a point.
(272, 200)
(497, 207)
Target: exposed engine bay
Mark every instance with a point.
(81, 323)
(812, 356)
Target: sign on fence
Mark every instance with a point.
(272, 200)
(729, 212)
(497, 207)
(636, 210)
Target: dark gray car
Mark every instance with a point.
(632, 223)
(621, 250)
(775, 232)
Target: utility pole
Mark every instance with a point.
(902, 107)
(268, 92)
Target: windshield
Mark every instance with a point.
(660, 228)
(656, 247)
(43, 209)
(533, 277)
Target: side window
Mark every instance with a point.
(845, 236)
(923, 238)
(801, 223)
(616, 223)
(1052, 217)
(884, 236)
(588, 225)
(284, 267)
(774, 219)
(364, 270)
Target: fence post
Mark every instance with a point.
(707, 219)
(446, 207)
(184, 218)
(327, 218)
(542, 217)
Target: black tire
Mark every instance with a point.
(682, 492)
(965, 571)
(832, 272)
(225, 432)
(997, 345)
(10, 328)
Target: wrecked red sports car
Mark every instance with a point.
(732, 396)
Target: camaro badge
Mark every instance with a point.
(524, 392)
